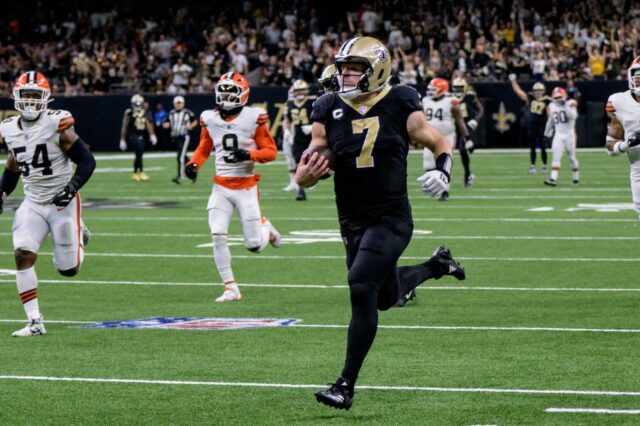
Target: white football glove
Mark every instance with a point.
(287, 136)
(513, 77)
(123, 145)
(472, 124)
(434, 183)
(306, 129)
(153, 139)
(469, 145)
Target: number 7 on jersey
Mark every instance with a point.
(371, 125)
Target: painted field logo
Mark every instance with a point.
(185, 323)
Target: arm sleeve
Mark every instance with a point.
(9, 181)
(267, 150)
(85, 164)
(205, 147)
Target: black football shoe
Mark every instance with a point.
(404, 298)
(443, 263)
(339, 395)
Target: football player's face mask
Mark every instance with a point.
(229, 95)
(31, 95)
(350, 78)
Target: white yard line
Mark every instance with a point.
(328, 286)
(203, 218)
(590, 411)
(309, 386)
(267, 257)
(415, 237)
(426, 327)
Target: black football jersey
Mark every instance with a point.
(538, 110)
(137, 121)
(371, 144)
(468, 109)
(300, 115)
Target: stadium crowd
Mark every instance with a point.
(157, 47)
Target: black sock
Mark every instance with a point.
(533, 155)
(412, 276)
(362, 328)
(464, 156)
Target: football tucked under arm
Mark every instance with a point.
(324, 152)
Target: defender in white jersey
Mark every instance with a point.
(623, 134)
(239, 137)
(41, 146)
(443, 113)
(562, 114)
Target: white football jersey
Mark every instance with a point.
(237, 133)
(36, 147)
(439, 114)
(564, 117)
(627, 111)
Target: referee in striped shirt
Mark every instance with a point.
(180, 120)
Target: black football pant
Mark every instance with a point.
(137, 141)
(299, 149)
(182, 145)
(535, 135)
(464, 156)
(376, 282)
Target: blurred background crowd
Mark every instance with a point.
(98, 47)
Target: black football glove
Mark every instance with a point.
(64, 197)
(191, 171)
(634, 140)
(237, 155)
(2, 197)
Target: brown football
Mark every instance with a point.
(325, 152)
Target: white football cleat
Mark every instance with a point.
(35, 327)
(230, 295)
(291, 187)
(274, 236)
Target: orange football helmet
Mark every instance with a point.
(559, 94)
(437, 88)
(232, 91)
(31, 94)
(634, 76)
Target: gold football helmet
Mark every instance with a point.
(538, 90)
(329, 80)
(374, 55)
(299, 90)
(459, 87)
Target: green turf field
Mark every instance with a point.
(547, 318)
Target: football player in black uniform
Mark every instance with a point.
(368, 125)
(537, 103)
(297, 120)
(329, 79)
(136, 125)
(472, 111)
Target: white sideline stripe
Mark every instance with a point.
(620, 198)
(332, 286)
(265, 257)
(203, 218)
(307, 386)
(590, 411)
(418, 237)
(423, 327)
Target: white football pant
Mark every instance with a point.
(33, 222)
